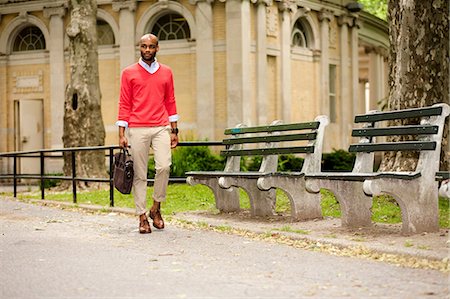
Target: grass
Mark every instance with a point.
(182, 198)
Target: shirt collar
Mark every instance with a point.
(149, 68)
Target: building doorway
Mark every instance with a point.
(29, 132)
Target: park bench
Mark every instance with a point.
(443, 177)
(416, 191)
(269, 142)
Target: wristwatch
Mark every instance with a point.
(174, 131)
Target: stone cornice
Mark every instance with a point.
(357, 23)
(59, 11)
(194, 2)
(302, 11)
(285, 5)
(376, 49)
(345, 19)
(325, 15)
(118, 5)
(29, 6)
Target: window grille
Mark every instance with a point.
(30, 38)
(171, 27)
(105, 34)
(299, 35)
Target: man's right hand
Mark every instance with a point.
(123, 142)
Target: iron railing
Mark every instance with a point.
(44, 153)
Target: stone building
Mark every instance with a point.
(234, 61)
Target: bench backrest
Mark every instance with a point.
(426, 136)
(273, 140)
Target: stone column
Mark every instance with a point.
(358, 103)
(325, 16)
(5, 133)
(239, 107)
(127, 39)
(346, 102)
(205, 69)
(57, 73)
(385, 82)
(375, 73)
(286, 76)
(362, 94)
(261, 62)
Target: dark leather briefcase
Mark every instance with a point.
(123, 171)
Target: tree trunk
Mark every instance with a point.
(83, 123)
(419, 66)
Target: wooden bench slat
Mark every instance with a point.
(270, 138)
(399, 114)
(393, 146)
(268, 151)
(390, 131)
(273, 128)
(442, 175)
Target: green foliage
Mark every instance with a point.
(285, 163)
(376, 7)
(444, 212)
(190, 158)
(290, 163)
(338, 160)
(50, 183)
(251, 163)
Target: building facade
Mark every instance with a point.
(234, 61)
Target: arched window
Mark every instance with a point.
(170, 27)
(300, 36)
(29, 39)
(105, 33)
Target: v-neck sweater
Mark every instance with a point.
(146, 100)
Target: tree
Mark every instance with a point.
(376, 7)
(83, 123)
(419, 65)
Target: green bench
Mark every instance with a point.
(269, 142)
(415, 191)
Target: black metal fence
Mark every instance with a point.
(44, 154)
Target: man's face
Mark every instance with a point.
(149, 47)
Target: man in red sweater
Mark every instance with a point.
(147, 111)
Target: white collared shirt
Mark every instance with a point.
(149, 68)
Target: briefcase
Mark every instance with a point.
(123, 171)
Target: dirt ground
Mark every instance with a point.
(385, 238)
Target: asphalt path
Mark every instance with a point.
(49, 252)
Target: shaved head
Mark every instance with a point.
(149, 37)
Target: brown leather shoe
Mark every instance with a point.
(158, 222)
(144, 225)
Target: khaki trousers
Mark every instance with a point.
(141, 140)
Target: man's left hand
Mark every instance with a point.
(173, 140)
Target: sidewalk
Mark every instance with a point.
(51, 250)
(378, 242)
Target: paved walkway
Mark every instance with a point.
(57, 252)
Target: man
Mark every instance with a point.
(147, 108)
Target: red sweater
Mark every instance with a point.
(146, 100)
